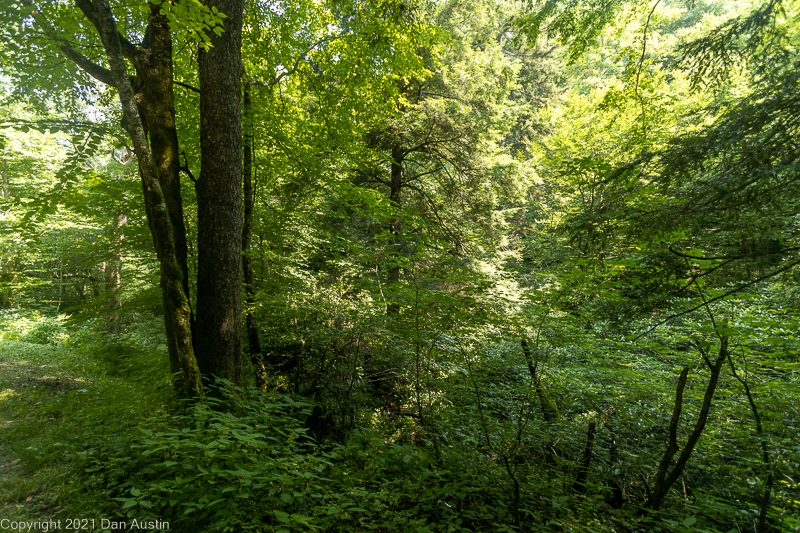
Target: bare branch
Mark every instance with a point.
(186, 86)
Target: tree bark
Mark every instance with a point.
(665, 480)
(395, 197)
(247, 235)
(177, 313)
(219, 200)
(113, 274)
(156, 101)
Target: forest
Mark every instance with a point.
(400, 266)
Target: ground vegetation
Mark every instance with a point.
(471, 265)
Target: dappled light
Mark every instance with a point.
(396, 266)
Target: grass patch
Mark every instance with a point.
(66, 409)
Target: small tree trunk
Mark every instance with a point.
(247, 235)
(60, 281)
(583, 464)
(547, 406)
(672, 445)
(7, 268)
(6, 274)
(113, 274)
(5, 179)
(395, 197)
(665, 478)
(766, 496)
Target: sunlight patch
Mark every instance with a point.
(8, 393)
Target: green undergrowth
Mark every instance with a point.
(68, 405)
(89, 428)
(243, 462)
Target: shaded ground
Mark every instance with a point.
(9, 471)
(20, 491)
(17, 376)
(63, 410)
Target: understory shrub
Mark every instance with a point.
(239, 460)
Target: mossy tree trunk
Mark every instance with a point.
(176, 304)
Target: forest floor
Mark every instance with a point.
(23, 374)
(64, 409)
(10, 471)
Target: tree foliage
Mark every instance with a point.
(504, 267)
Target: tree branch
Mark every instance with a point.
(128, 49)
(726, 257)
(681, 254)
(296, 63)
(186, 86)
(94, 70)
(185, 168)
(644, 49)
(720, 297)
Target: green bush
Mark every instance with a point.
(32, 327)
(239, 460)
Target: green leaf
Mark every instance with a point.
(129, 503)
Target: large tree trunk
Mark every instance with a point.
(219, 200)
(177, 313)
(156, 103)
(247, 235)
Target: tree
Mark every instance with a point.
(219, 200)
(150, 123)
(176, 302)
(444, 147)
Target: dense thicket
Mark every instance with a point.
(470, 265)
